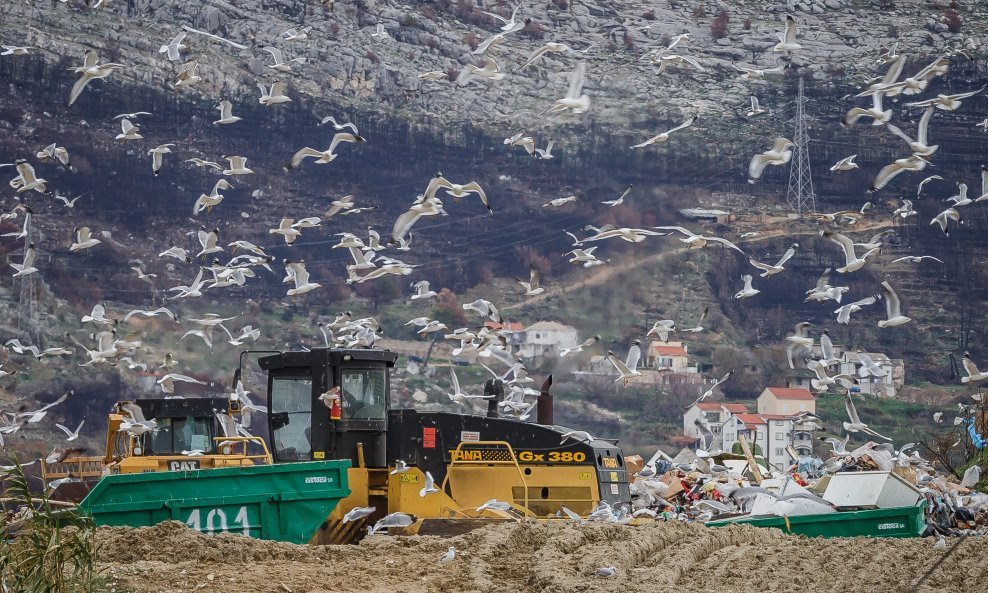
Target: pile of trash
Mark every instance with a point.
(715, 486)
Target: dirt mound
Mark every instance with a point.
(558, 557)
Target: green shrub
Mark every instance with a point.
(43, 549)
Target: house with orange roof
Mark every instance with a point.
(667, 356)
(786, 401)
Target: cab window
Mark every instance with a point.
(291, 418)
(364, 392)
(175, 435)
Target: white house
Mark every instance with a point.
(715, 415)
(752, 426)
(885, 386)
(544, 338)
(772, 433)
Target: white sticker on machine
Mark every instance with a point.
(614, 489)
(469, 436)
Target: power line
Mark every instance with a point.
(800, 192)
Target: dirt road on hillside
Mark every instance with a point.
(602, 274)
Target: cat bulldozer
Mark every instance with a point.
(189, 436)
(439, 467)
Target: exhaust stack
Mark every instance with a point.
(544, 403)
(493, 389)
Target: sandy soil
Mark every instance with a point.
(521, 558)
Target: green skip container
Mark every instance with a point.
(285, 502)
(894, 522)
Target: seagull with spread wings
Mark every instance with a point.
(779, 154)
(629, 367)
(710, 391)
(664, 136)
(856, 425)
(457, 190)
(771, 270)
(695, 241)
(852, 262)
(325, 156)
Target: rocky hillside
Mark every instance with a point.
(414, 126)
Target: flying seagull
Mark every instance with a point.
(856, 425)
(173, 47)
(973, 374)
(628, 368)
(787, 40)
(226, 113)
(664, 136)
(893, 308)
(779, 154)
(710, 391)
(91, 70)
(771, 270)
(747, 290)
(852, 261)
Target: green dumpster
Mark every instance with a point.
(285, 502)
(894, 522)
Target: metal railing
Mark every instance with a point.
(458, 459)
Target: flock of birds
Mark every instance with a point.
(369, 262)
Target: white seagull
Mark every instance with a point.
(91, 70)
(664, 136)
(787, 40)
(280, 64)
(325, 156)
(173, 47)
(893, 308)
(508, 26)
(238, 166)
(575, 100)
(274, 96)
(771, 270)
(548, 47)
(214, 38)
(747, 290)
(856, 425)
(694, 241)
(779, 154)
(912, 162)
(53, 151)
(157, 157)
(128, 130)
(226, 113)
(26, 266)
(943, 219)
(876, 112)
(852, 261)
(628, 368)
(69, 434)
(845, 164)
(756, 109)
(82, 239)
(422, 290)
(380, 32)
(340, 127)
(300, 276)
(532, 287)
(973, 374)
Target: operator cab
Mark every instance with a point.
(301, 425)
(183, 424)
